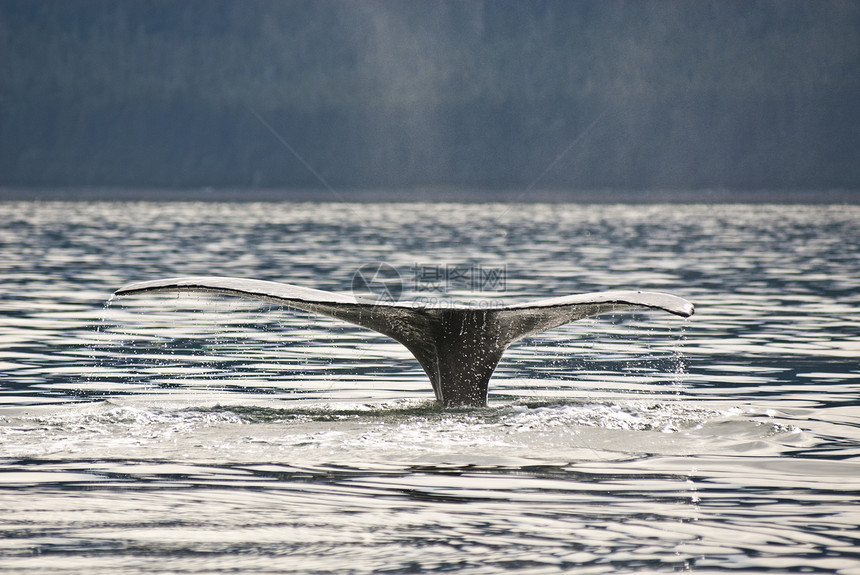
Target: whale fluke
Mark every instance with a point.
(458, 347)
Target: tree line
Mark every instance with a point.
(618, 94)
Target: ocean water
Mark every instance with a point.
(205, 434)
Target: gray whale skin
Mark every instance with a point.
(458, 347)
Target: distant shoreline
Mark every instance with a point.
(433, 195)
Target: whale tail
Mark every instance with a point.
(458, 347)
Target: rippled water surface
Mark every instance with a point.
(204, 434)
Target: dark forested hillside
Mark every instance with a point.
(661, 94)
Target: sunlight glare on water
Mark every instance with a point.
(204, 434)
